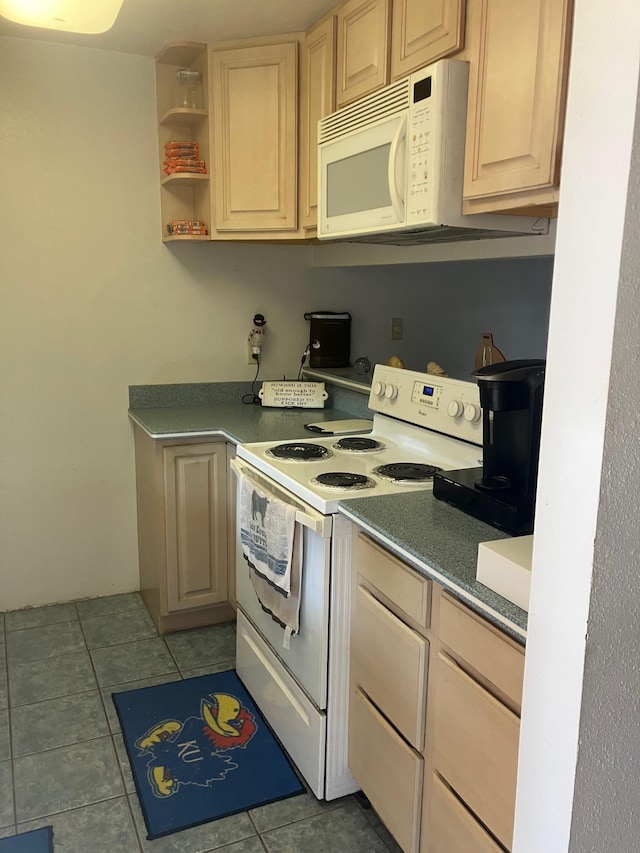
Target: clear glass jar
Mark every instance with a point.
(188, 89)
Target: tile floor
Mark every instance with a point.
(62, 757)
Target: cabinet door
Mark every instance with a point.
(318, 82)
(423, 31)
(476, 748)
(388, 770)
(516, 104)
(255, 137)
(363, 48)
(389, 662)
(195, 518)
(450, 828)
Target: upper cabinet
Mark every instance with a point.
(423, 31)
(184, 194)
(255, 138)
(317, 100)
(518, 69)
(363, 48)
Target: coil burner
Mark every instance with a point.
(359, 444)
(406, 472)
(299, 451)
(343, 481)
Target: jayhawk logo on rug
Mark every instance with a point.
(194, 752)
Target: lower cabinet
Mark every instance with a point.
(183, 531)
(435, 710)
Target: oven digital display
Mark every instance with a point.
(428, 395)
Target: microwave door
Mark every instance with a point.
(361, 177)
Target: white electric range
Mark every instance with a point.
(421, 423)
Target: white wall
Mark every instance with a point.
(580, 735)
(92, 302)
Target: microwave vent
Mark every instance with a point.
(379, 105)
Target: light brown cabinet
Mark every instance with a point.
(183, 196)
(181, 492)
(517, 85)
(434, 710)
(254, 94)
(423, 31)
(363, 48)
(317, 100)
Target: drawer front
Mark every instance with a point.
(291, 714)
(486, 651)
(388, 770)
(450, 828)
(476, 748)
(389, 662)
(406, 589)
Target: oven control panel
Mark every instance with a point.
(450, 406)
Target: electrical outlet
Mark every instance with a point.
(250, 358)
(396, 329)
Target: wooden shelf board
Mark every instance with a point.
(186, 238)
(182, 117)
(183, 179)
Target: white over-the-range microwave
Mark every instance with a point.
(391, 165)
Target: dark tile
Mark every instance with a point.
(223, 666)
(5, 745)
(66, 778)
(111, 604)
(129, 661)
(198, 839)
(249, 845)
(374, 819)
(115, 628)
(203, 646)
(8, 831)
(31, 644)
(346, 827)
(287, 811)
(38, 617)
(7, 817)
(57, 722)
(112, 717)
(46, 679)
(105, 827)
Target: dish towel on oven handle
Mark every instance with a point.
(273, 552)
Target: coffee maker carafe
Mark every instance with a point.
(503, 491)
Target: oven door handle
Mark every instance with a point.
(308, 517)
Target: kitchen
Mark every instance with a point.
(94, 303)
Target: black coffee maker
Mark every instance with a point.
(503, 491)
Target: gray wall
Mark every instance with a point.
(445, 306)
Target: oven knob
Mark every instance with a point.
(455, 408)
(391, 392)
(472, 413)
(378, 389)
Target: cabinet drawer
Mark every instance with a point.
(390, 665)
(485, 650)
(388, 770)
(476, 747)
(450, 828)
(406, 589)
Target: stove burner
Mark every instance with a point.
(358, 444)
(407, 472)
(342, 480)
(300, 452)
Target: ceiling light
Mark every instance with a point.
(71, 16)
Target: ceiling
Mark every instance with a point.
(145, 26)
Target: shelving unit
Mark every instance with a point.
(183, 195)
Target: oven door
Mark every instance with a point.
(307, 656)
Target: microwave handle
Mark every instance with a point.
(397, 200)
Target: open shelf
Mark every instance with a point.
(183, 117)
(186, 238)
(184, 179)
